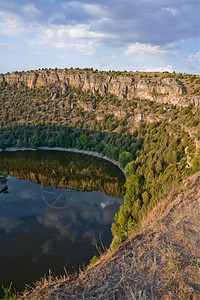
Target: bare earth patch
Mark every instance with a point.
(160, 262)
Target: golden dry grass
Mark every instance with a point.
(160, 262)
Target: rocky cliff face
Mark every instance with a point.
(166, 90)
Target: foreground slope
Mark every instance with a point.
(160, 262)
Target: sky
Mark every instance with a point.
(132, 35)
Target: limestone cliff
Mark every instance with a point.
(130, 85)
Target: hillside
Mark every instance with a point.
(75, 98)
(159, 262)
(177, 89)
(150, 124)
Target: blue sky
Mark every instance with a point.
(132, 35)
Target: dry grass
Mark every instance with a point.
(161, 262)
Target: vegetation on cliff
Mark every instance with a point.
(157, 143)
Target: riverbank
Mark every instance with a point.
(92, 153)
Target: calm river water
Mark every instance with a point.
(56, 210)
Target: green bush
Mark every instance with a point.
(124, 158)
(93, 261)
(8, 295)
(196, 163)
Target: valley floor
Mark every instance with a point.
(160, 262)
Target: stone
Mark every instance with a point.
(167, 90)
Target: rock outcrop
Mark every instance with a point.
(166, 90)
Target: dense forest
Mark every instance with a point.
(157, 144)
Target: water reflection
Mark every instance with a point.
(38, 231)
(65, 170)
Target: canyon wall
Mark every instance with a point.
(166, 90)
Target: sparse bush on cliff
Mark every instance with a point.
(197, 91)
(196, 163)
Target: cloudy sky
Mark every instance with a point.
(104, 34)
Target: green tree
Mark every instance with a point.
(84, 141)
(198, 132)
(127, 216)
(196, 162)
(124, 158)
(145, 198)
(34, 141)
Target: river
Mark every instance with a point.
(58, 209)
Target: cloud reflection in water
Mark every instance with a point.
(36, 236)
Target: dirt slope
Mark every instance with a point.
(161, 262)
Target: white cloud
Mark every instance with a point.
(168, 68)
(39, 52)
(72, 5)
(112, 56)
(80, 37)
(56, 16)
(194, 58)
(11, 24)
(171, 10)
(145, 49)
(95, 10)
(77, 32)
(152, 58)
(84, 48)
(80, 31)
(83, 31)
(31, 10)
(3, 45)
